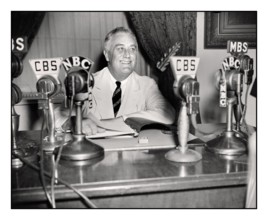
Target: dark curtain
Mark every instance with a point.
(157, 32)
(25, 23)
(253, 91)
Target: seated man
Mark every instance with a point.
(119, 92)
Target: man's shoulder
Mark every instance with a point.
(143, 79)
(100, 72)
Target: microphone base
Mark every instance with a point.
(48, 146)
(79, 148)
(28, 153)
(189, 156)
(241, 134)
(229, 143)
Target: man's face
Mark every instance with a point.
(121, 55)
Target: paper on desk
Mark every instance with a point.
(157, 139)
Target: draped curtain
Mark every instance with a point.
(25, 24)
(157, 32)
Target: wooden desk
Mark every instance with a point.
(137, 179)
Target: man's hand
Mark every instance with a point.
(91, 125)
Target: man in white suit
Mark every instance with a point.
(140, 96)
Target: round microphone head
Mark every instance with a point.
(244, 63)
(16, 66)
(231, 79)
(78, 82)
(48, 85)
(16, 94)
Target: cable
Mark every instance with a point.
(55, 166)
(64, 136)
(243, 112)
(42, 163)
(56, 162)
(53, 182)
(245, 106)
(87, 201)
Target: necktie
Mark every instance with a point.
(116, 98)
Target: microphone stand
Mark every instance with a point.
(27, 150)
(79, 148)
(189, 91)
(229, 142)
(49, 87)
(51, 141)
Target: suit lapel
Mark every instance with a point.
(130, 95)
(102, 94)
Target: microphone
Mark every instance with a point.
(246, 67)
(16, 97)
(186, 88)
(16, 66)
(77, 82)
(236, 68)
(48, 86)
(17, 148)
(16, 94)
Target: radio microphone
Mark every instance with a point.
(186, 88)
(18, 148)
(246, 67)
(236, 69)
(79, 83)
(48, 85)
(16, 96)
(16, 66)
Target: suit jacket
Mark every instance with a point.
(141, 98)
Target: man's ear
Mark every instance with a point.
(106, 55)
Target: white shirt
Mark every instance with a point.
(141, 98)
(113, 84)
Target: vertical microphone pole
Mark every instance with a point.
(16, 97)
(49, 87)
(182, 153)
(230, 142)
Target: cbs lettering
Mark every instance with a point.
(185, 65)
(19, 44)
(45, 65)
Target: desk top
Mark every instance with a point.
(129, 172)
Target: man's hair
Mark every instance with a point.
(116, 31)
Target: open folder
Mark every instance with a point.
(155, 139)
(131, 129)
(156, 136)
(111, 133)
